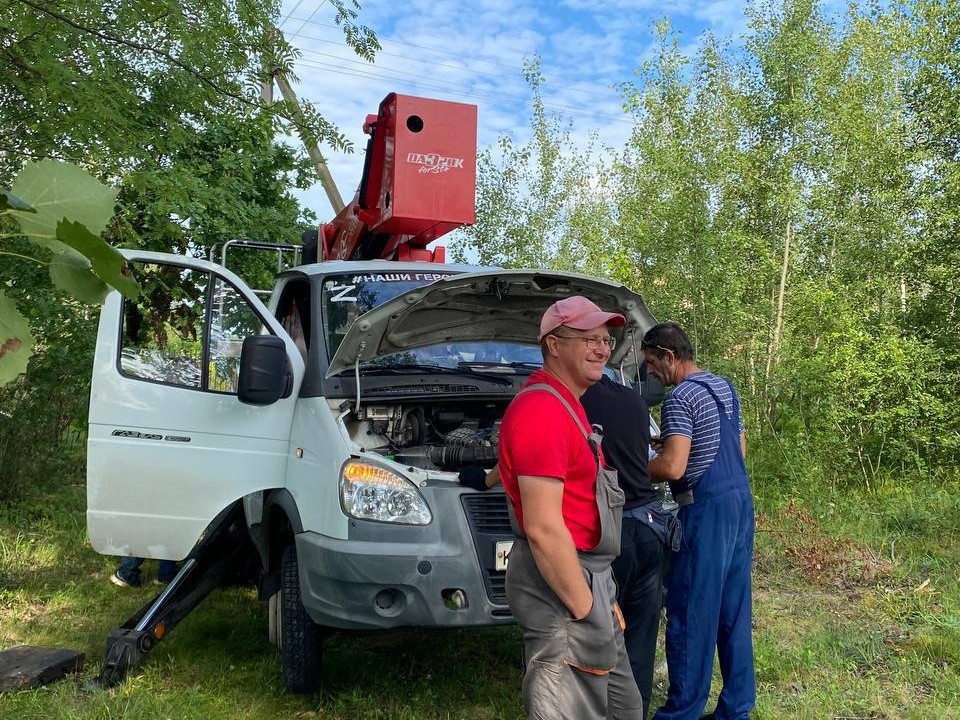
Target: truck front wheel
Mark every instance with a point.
(301, 640)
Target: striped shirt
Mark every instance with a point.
(690, 411)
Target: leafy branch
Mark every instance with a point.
(173, 60)
(307, 121)
(62, 209)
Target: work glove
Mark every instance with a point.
(473, 476)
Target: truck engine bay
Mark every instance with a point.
(441, 435)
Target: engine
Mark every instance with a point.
(440, 436)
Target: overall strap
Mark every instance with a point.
(592, 438)
(721, 408)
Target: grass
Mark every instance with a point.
(857, 615)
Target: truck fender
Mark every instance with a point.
(281, 521)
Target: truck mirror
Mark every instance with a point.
(264, 370)
(651, 388)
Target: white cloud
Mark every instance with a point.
(474, 52)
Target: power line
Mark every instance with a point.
(454, 88)
(309, 18)
(427, 62)
(295, 8)
(413, 45)
(473, 71)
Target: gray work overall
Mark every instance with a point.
(575, 669)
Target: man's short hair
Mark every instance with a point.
(668, 336)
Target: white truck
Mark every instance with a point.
(311, 445)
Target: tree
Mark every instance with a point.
(97, 83)
(931, 268)
(674, 196)
(792, 204)
(539, 204)
(160, 101)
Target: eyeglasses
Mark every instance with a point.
(593, 342)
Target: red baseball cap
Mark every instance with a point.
(579, 313)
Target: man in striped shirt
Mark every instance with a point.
(701, 453)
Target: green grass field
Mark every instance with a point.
(857, 615)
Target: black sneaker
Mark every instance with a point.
(130, 581)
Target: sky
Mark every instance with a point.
(474, 51)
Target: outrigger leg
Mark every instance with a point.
(212, 562)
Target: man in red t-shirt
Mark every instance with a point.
(559, 583)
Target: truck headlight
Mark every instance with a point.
(372, 492)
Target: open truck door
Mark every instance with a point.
(192, 399)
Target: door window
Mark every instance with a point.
(186, 328)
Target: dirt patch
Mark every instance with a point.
(820, 558)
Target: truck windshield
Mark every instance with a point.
(347, 297)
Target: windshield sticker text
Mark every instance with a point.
(398, 277)
(340, 293)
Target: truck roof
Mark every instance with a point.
(380, 266)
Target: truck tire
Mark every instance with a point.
(301, 640)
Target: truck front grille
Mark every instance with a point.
(487, 513)
(489, 523)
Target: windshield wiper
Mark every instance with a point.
(413, 368)
(493, 364)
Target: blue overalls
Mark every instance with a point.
(708, 589)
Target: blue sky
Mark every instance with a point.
(474, 52)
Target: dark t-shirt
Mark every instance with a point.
(625, 418)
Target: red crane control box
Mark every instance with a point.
(419, 181)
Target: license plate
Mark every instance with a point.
(503, 554)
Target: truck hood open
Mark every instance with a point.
(494, 305)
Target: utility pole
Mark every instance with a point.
(326, 179)
(313, 150)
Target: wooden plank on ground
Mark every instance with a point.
(26, 666)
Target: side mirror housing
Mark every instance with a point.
(265, 374)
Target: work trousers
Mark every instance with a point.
(129, 568)
(575, 669)
(639, 574)
(709, 606)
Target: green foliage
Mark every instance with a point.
(43, 423)
(54, 190)
(161, 101)
(68, 209)
(793, 205)
(101, 82)
(61, 209)
(211, 184)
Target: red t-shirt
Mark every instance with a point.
(539, 437)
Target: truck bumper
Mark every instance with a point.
(386, 576)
